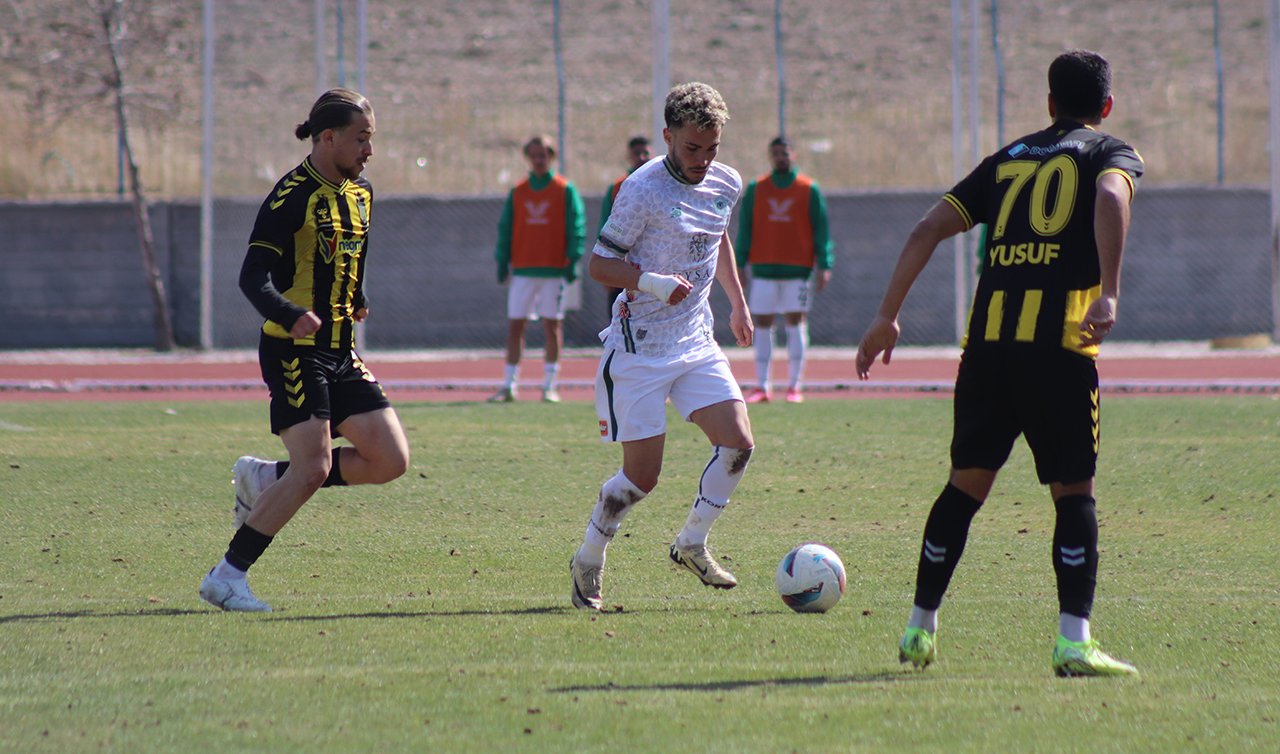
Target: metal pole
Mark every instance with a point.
(560, 121)
(1275, 170)
(339, 48)
(362, 44)
(1217, 64)
(999, 56)
(206, 180)
(960, 254)
(661, 64)
(781, 56)
(322, 75)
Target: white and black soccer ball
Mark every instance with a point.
(810, 578)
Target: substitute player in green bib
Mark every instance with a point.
(304, 272)
(1057, 206)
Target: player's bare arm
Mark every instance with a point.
(727, 275)
(940, 223)
(1110, 227)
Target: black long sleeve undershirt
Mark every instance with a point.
(255, 283)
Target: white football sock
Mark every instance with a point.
(719, 480)
(1073, 627)
(509, 378)
(921, 618)
(550, 371)
(617, 497)
(797, 345)
(764, 355)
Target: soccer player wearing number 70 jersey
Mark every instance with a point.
(1057, 206)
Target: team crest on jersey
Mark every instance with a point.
(699, 246)
(722, 206)
(641, 333)
(676, 212)
(362, 208)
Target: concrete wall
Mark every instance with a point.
(1197, 266)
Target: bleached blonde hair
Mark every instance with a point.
(695, 104)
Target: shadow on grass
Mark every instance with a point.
(140, 613)
(815, 680)
(426, 614)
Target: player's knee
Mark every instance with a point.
(644, 481)
(311, 473)
(394, 465)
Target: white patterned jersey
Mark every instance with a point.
(661, 224)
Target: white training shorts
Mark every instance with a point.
(632, 391)
(531, 298)
(780, 296)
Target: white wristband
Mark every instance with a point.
(661, 286)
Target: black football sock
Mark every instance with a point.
(247, 545)
(1075, 553)
(945, 534)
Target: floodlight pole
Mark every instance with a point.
(661, 64)
(960, 253)
(206, 180)
(322, 75)
(1275, 170)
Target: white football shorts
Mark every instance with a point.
(632, 391)
(531, 298)
(779, 296)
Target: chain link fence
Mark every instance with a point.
(459, 85)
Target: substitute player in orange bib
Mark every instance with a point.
(783, 236)
(539, 244)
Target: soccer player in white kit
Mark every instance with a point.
(664, 242)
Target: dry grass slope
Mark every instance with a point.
(459, 84)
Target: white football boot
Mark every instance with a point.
(246, 475)
(698, 560)
(232, 595)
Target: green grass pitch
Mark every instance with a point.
(432, 614)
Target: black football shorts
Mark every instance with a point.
(1050, 396)
(306, 381)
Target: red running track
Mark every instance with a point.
(463, 376)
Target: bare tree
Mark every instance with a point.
(115, 30)
(68, 60)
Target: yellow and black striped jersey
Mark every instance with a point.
(1040, 268)
(319, 232)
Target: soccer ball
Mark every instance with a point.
(810, 578)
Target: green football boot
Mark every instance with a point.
(1072, 658)
(918, 647)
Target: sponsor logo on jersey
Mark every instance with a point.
(780, 210)
(537, 212)
(338, 245)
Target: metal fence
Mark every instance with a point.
(869, 101)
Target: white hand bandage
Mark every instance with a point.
(661, 286)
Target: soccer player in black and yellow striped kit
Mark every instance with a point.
(304, 272)
(1056, 203)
